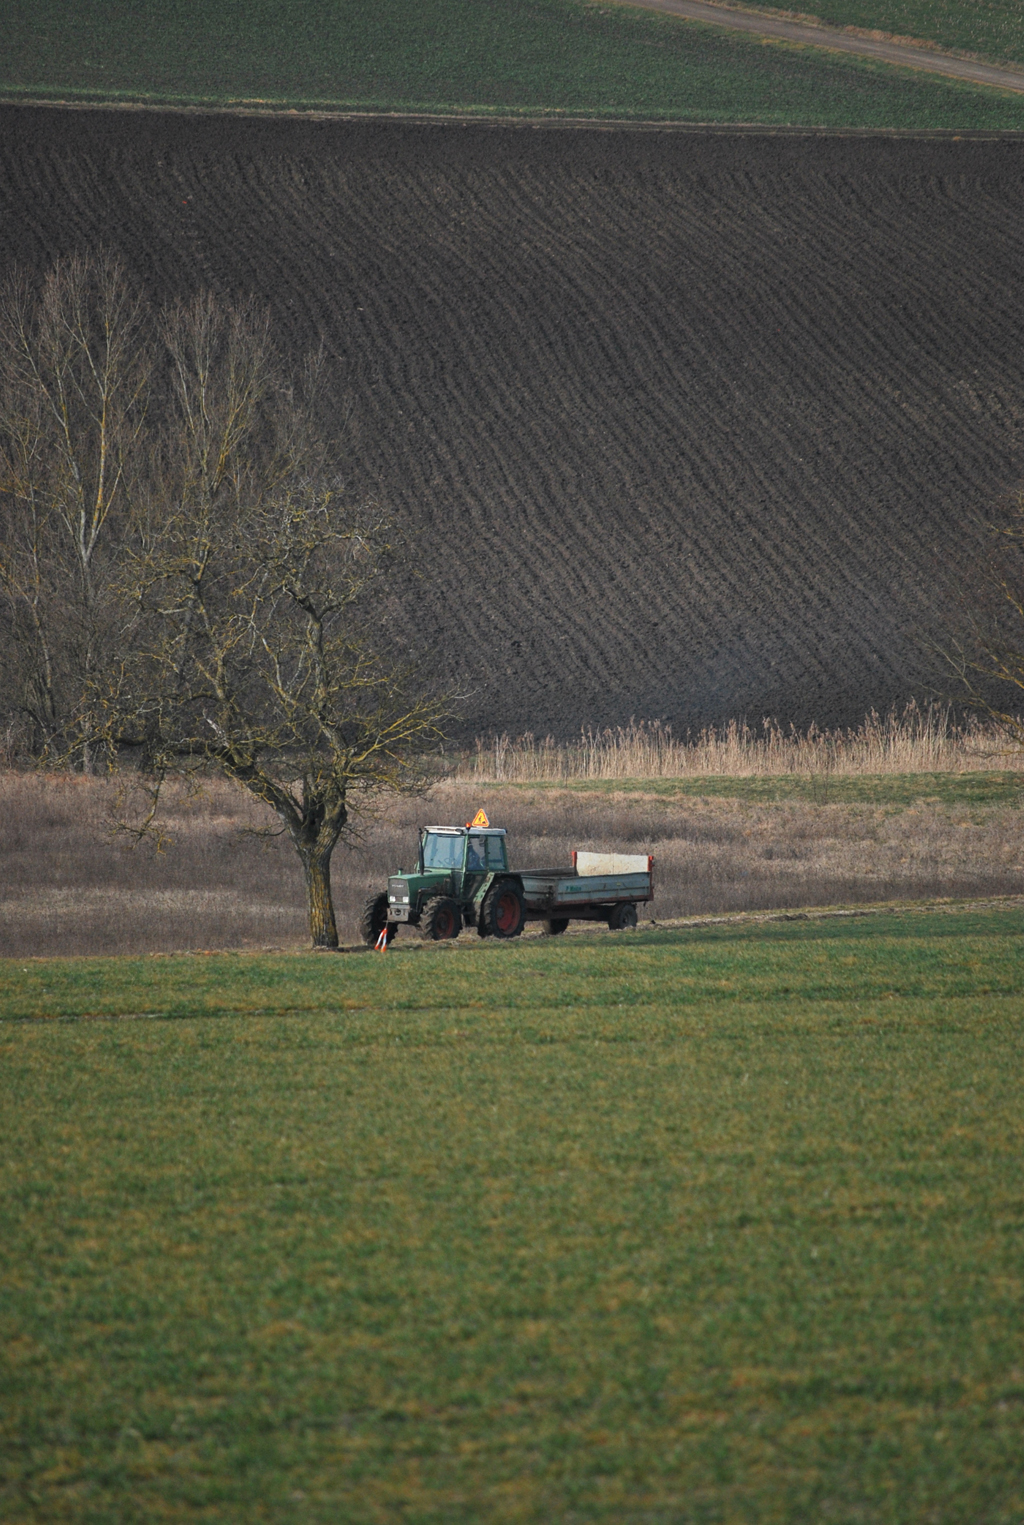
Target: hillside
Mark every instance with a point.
(483, 57)
(685, 420)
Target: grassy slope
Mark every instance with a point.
(994, 28)
(478, 55)
(719, 1225)
(896, 791)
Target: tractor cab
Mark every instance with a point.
(463, 850)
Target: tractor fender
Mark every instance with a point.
(481, 893)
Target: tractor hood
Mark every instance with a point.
(409, 887)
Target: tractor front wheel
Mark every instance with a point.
(374, 918)
(503, 912)
(441, 919)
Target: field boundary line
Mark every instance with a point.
(526, 122)
(907, 54)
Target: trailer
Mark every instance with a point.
(599, 887)
(463, 879)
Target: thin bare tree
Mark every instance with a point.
(75, 371)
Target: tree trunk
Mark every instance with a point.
(316, 866)
(314, 827)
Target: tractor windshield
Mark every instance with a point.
(442, 851)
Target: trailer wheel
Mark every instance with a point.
(374, 918)
(503, 910)
(441, 920)
(622, 919)
(555, 926)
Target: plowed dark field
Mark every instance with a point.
(686, 420)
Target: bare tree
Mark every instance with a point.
(258, 604)
(75, 364)
(184, 581)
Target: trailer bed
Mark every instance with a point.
(560, 892)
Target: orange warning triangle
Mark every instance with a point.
(480, 819)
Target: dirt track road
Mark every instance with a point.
(907, 54)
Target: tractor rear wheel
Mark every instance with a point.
(503, 912)
(441, 919)
(374, 918)
(556, 926)
(623, 918)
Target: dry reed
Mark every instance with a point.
(914, 740)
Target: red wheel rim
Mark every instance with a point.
(506, 913)
(444, 923)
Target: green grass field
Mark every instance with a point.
(891, 791)
(711, 1225)
(481, 56)
(992, 28)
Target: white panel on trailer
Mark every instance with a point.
(611, 863)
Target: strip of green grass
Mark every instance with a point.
(994, 28)
(893, 790)
(488, 56)
(878, 958)
(720, 1225)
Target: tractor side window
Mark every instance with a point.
(442, 852)
(495, 852)
(476, 858)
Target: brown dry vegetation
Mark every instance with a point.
(687, 422)
(914, 741)
(70, 887)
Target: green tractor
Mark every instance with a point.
(461, 879)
